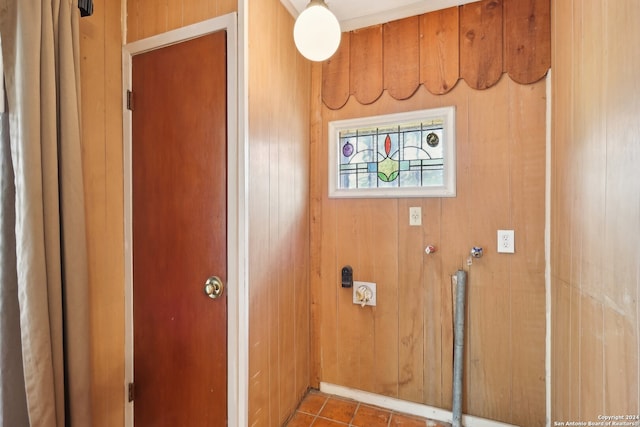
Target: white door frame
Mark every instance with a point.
(237, 290)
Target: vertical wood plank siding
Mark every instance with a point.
(402, 57)
(279, 93)
(365, 66)
(101, 83)
(476, 42)
(403, 347)
(439, 57)
(501, 176)
(595, 202)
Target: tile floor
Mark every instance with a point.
(323, 410)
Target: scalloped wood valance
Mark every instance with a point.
(477, 42)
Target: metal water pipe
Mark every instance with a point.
(458, 349)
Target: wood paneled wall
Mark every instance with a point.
(147, 18)
(101, 85)
(475, 42)
(403, 347)
(101, 39)
(279, 91)
(279, 123)
(279, 86)
(595, 223)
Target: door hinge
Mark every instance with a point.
(130, 100)
(132, 392)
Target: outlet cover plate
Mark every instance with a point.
(371, 286)
(415, 215)
(506, 242)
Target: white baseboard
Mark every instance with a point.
(406, 407)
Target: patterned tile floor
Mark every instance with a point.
(323, 410)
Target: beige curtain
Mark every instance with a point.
(48, 246)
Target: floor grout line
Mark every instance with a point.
(354, 414)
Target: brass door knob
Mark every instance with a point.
(213, 287)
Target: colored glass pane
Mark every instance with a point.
(400, 155)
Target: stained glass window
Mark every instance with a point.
(408, 154)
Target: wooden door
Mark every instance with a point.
(179, 233)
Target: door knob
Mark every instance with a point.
(213, 287)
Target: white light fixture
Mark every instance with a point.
(317, 32)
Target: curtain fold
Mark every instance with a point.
(13, 403)
(40, 49)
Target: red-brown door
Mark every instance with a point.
(179, 165)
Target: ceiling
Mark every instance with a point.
(354, 14)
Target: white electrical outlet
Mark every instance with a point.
(415, 215)
(506, 241)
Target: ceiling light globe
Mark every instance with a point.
(317, 32)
